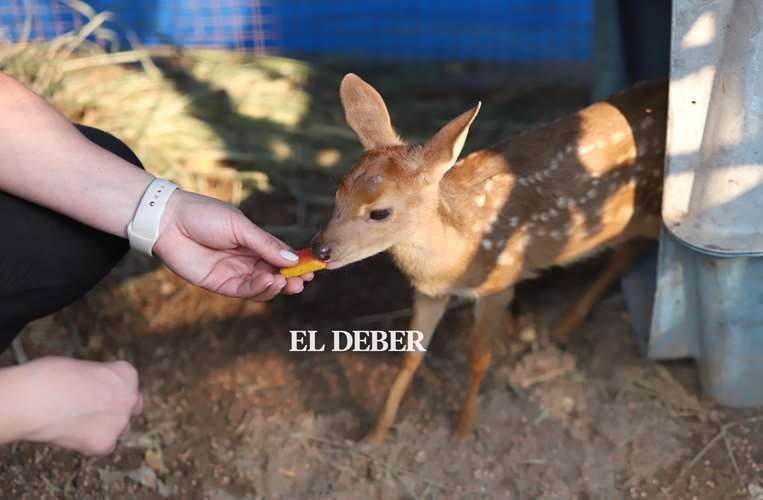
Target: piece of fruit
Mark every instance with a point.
(307, 264)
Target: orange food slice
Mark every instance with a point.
(307, 264)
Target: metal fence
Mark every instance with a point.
(488, 30)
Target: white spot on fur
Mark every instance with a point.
(479, 200)
(522, 181)
(555, 234)
(583, 150)
(487, 244)
(618, 136)
(505, 259)
(513, 221)
(490, 222)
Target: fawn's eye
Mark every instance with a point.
(380, 214)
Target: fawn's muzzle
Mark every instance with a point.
(321, 251)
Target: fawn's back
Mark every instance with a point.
(557, 193)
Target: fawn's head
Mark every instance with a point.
(384, 198)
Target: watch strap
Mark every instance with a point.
(143, 229)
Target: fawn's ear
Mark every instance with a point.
(366, 113)
(441, 153)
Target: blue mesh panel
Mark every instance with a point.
(492, 30)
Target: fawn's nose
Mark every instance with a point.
(320, 250)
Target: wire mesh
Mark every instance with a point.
(490, 30)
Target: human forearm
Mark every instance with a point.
(44, 159)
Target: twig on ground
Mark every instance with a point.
(721, 435)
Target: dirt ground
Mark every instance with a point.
(230, 413)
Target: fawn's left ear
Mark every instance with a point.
(441, 153)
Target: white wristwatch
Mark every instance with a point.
(143, 229)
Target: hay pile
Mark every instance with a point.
(224, 124)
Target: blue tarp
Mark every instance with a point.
(495, 30)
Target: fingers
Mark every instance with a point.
(274, 289)
(270, 248)
(256, 285)
(138, 408)
(293, 286)
(126, 372)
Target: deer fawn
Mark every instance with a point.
(475, 227)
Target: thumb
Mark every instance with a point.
(270, 248)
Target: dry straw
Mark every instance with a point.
(226, 124)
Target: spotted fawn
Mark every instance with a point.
(475, 227)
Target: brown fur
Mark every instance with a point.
(556, 194)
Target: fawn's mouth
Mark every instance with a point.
(332, 264)
(344, 260)
(349, 255)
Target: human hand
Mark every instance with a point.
(79, 405)
(213, 245)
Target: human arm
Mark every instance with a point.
(44, 159)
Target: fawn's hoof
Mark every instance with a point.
(561, 332)
(375, 437)
(460, 435)
(464, 429)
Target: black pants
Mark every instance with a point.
(47, 260)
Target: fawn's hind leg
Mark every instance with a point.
(618, 263)
(427, 312)
(489, 325)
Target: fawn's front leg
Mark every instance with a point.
(489, 314)
(427, 312)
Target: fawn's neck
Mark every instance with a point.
(437, 254)
(431, 255)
